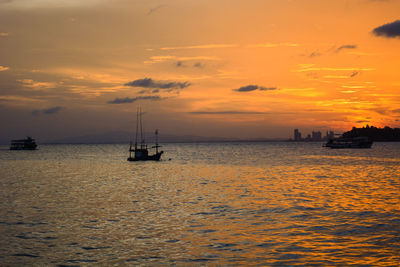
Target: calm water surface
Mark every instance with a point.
(211, 204)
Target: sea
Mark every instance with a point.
(203, 204)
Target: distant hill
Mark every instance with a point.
(117, 137)
(385, 134)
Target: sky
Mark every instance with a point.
(227, 68)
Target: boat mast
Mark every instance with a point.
(156, 133)
(137, 126)
(140, 126)
(142, 145)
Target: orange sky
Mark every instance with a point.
(238, 68)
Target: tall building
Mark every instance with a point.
(330, 135)
(297, 135)
(316, 136)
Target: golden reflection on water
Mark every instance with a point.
(282, 205)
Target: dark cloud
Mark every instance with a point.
(154, 9)
(382, 111)
(396, 110)
(314, 54)
(354, 74)
(362, 121)
(251, 87)
(47, 111)
(340, 48)
(150, 83)
(389, 30)
(198, 65)
(131, 100)
(227, 112)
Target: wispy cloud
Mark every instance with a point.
(161, 59)
(206, 46)
(4, 34)
(314, 54)
(340, 48)
(29, 4)
(150, 83)
(198, 65)
(249, 88)
(154, 9)
(131, 100)
(37, 85)
(355, 73)
(311, 67)
(271, 45)
(3, 68)
(389, 30)
(48, 111)
(233, 112)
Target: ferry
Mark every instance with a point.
(355, 142)
(23, 144)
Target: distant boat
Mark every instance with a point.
(23, 144)
(141, 152)
(355, 142)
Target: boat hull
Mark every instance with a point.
(338, 146)
(23, 144)
(358, 142)
(22, 148)
(155, 157)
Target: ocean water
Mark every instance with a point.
(266, 204)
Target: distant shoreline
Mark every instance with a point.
(194, 142)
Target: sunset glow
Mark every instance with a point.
(237, 69)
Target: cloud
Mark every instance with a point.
(37, 85)
(154, 9)
(2, 68)
(25, 4)
(198, 65)
(271, 45)
(340, 48)
(314, 54)
(234, 112)
(389, 30)
(150, 83)
(4, 34)
(162, 59)
(47, 111)
(355, 73)
(206, 46)
(131, 100)
(306, 68)
(251, 87)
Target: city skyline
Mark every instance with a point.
(237, 69)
